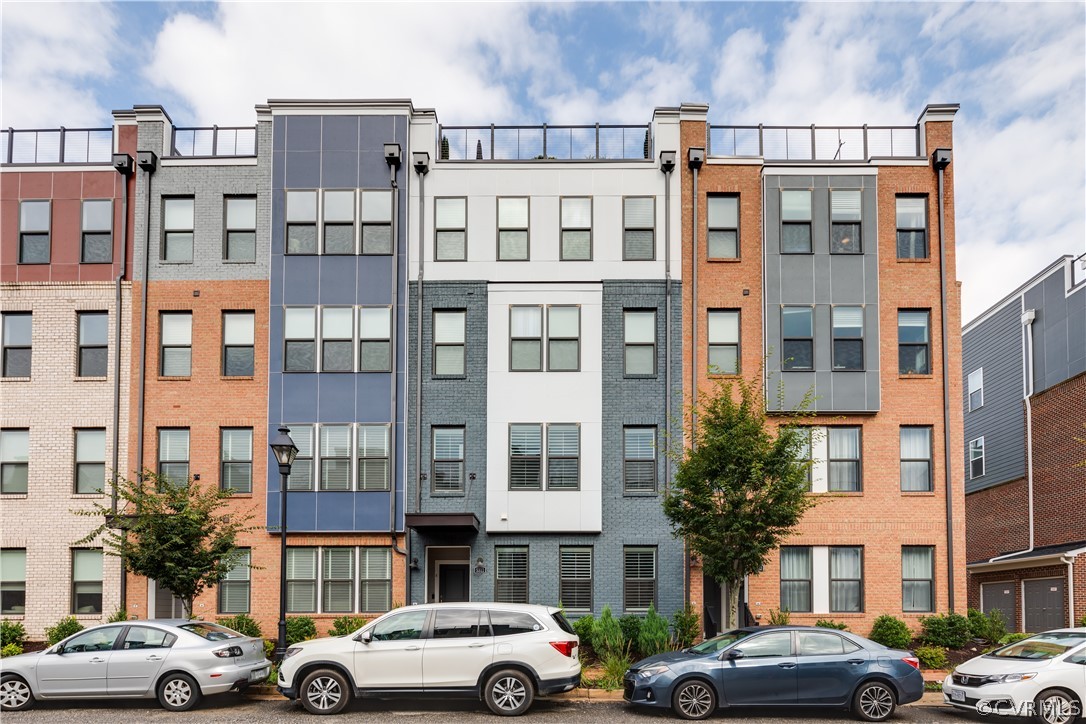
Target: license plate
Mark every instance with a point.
(258, 674)
(957, 695)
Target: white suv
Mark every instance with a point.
(504, 653)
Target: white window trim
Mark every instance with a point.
(978, 375)
(356, 580)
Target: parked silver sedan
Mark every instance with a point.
(176, 661)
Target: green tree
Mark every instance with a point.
(742, 488)
(179, 535)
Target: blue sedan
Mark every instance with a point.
(778, 666)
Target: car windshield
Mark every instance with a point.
(711, 646)
(1041, 646)
(210, 631)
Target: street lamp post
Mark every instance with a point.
(285, 451)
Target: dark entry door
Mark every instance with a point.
(1044, 604)
(453, 583)
(1001, 597)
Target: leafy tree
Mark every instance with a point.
(177, 534)
(743, 487)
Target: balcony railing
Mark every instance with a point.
(544, 143)
(63, 145)
(214, 141)
(827, 144)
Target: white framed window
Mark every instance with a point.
(301, 472)
(796, 221)
(373, 454)
(301, 580)
(300, 339)
(175, 352)
(916, 458)
(301, 222)
(450, 332)
(236, 459)
(335, 457)
(845, 222)
(96, 245)
(511, 579)
(638, 578)
(450, 229)
(239, 235)
(337, 580)
(576, 242)
(976, 389)
(638, 228)
(90, 460)
(234, 590)
(179, 223)
(337, 339)
(338, 222)
(723, 341)
(34, 223)
(376, 215)
(722, 221)
(14, 461)
(513, 239)
(86, 581)
(976, 458)
(375, 579)
(374, 339)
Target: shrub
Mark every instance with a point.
(655, 636)
(779, 618)
(607, 639)
(121, 614)
(12, 632)
(300, 628)
(827, 623)
(990, 628)
(243, 624)
(614, 669)
(932, 657)
(65, 627)
(890, 631)
(1082, 621)
(12, 649)
(1013, 638)
(948, 630)
(585, 628)
(346, 625)
(269, 649)
(631, 633)
(687, 627)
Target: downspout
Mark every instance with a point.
(695, 157)
(392, 157)
(1070, 562)
(421, 162)
(122, 162)
(667, 165)
(941, 159)
(147, 161)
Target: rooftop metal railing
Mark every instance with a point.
(210, 141)
(57, 145)
(829, 144)
(544, 143)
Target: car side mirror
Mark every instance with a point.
(734, 654)
(57, 650)
(365, 637)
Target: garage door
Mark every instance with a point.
(1044, 604)
(1001, 597)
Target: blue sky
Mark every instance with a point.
(1017, 69)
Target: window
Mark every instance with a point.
(846, 579)
(17, 335)
(14, 460)
(513, 229)
(448, 460)
(302, 580)
(912, 227)
(796, 222)
(375, 572)
(401, 626)
(848, 338)
(240, 242)
(976, 458)
(723, 227)
(376, 226)
(238, 335)
(337, 580)
(34, 222)
(510, 623)
(373, 445)
(639, 225)
(236, 465)
(575, 578)
(917, 578)
(639, 459)
(796, 574)
(177, 229)
(93, 343)
(450, 232)
(775, 643)
(912, 342)
(845, 222)
(337, 354)
(511, 581)
(175, 329)
(525, 450)
(525, 339)
(639, 327)
(13, 581)
(818, 643)
(90, 460)
(976, 389)
(459, 623)
(797, 338)
(375, 339)
(844, 459)
(449, 333)
(234, 589)
(97, 240)
(563, 457)
(563, 339)
(86, 580)
(301, 222)
(806, 452)
(335, 452)
(576, 229)
(339, 222)
(724, 341)
(638, 579)
(173, 455)
(300, 339)
(301, 472)
(916, 458)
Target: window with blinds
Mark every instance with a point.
(575, 578)
(797, 338)
(335, 452)
(13, 581)
(173, 455)
(449, 338)
(845, 222)
(86, 580)
(238, 335)
(912, 227)
(178, 223)
(638, 578)
(302, 580)
(375, 574)
(450, 229)
(448, 460)
(175, 351)
(723, 227)
(563, 457)
(525, 462)
(373, 447)
(638, 228)
(639, 459)
(236, 465)
(796, 221)
(848, 339)
(301, 472)
(511, 580)
(234, 589)
(337, 580)
(913, 326)
(576, 229)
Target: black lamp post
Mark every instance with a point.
(285, 451)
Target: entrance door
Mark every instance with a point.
(167, 605)
(452, 583)
(1044, 604)
(1000, 597)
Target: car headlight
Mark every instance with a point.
(291, 651)
(651, 671)
(1010, 678)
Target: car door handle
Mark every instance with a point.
(97, 660)
(787, 665)
(153, 657)
(412, 648)
(475, 646)
(855, 661)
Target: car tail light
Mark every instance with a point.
(912, 661)
(228, 653)
(564, 647)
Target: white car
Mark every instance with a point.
(504, 653)
(1043, 676)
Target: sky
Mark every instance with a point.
(1017, 69)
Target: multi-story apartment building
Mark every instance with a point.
(65, 268)
(824, 263)
(1024, 366)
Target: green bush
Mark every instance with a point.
(12, 632)
(1013, 638)
(585, 628)
(631, 634)
(827, 623)
(890, 631)
(346, 625)
(990, 628)
(117, 616)
(687, 627)
(10, 650)
(269, 649)
(300, 628)
(949, 630)
(655, 636)
(932, 657)
(243, 624)
(614, 669)
(65, 627)
(779, 618)
(1082, 621)
(607, 640)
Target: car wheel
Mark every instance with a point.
(694, 700)
(874, 701)
(1053, 706)
(15, 694)
(178, 692)
(324, 691)
(509, 693)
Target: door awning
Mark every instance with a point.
(444, 523)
